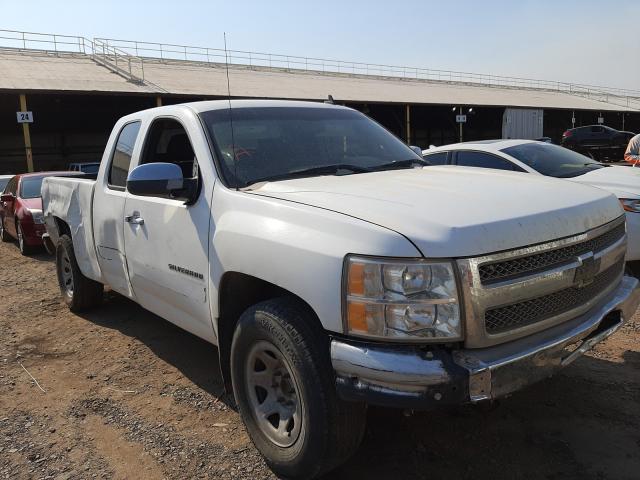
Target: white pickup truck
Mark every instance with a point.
(333, 271)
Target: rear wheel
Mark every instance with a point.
(284, 385)
(22, 244)
(78, 291)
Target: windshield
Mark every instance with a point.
(284, 142)
(30, 187)
(552, 160)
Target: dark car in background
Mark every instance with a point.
(598, 141)
(21, 210)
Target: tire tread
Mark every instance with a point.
(87, 293)
(343, 434)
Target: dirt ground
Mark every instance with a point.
(128, 395)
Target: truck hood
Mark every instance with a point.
(451, 211)
(623, 182)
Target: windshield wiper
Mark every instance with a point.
(409, 163)
(311, 171)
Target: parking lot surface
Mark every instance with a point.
(121, 393)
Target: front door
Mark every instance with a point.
(109, 198)
(167, 241)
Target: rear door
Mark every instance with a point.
(108, 207)
(167, 247)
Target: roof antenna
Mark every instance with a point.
(233, 141)
(329, 99)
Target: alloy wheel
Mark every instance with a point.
(20, 238)
(66, 274)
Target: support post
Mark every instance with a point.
(158, 101)
(27, 134)
(460, 126)
(408, 122)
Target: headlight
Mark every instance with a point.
(401, 299)
(630, 205)
(37, 216)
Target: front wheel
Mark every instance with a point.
(4, 236)
(22, 242)
(284, 386)
(78, 291)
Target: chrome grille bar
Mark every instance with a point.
(575, 272)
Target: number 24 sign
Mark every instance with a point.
(24, 117)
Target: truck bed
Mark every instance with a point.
(70, 200)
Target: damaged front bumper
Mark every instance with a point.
(424, 377)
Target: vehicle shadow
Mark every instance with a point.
(41, 255)
(582, 423)
(195, 358)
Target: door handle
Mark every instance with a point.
(134, 219)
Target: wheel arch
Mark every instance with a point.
(237, 292)
(61, 227)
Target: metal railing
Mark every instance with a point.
(119, 61)
(129, 66)
(164, 51)
(44, 41)
(127, 57)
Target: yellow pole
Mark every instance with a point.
(27, 135)
(408, 121)
(158, 101)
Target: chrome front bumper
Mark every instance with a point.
(428, 376)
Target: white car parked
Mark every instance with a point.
(553, 161)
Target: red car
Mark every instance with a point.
(21, 210)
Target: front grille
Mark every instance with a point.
(501, 319)
(493, 272)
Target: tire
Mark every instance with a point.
(280, 340)
(22, 245)
(78, 292)
(4, 236)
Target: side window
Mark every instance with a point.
(12, 187)
(439, 158)
(597, 129)
(121, 159)
(168, 142)
(485, 160)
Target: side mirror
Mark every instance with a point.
(156, 180)
(417, 150)
(6, 197)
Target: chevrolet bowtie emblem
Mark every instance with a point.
(587, 270)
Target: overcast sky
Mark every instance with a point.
(592, 42)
